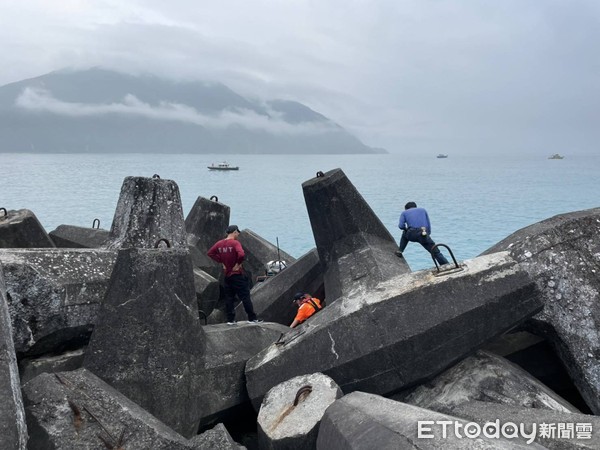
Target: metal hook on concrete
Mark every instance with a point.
(5, 212)
(166, 241)
(456, 267)
(94, 224)
(303, 390)
(156, 176)
(320, 174)
(214, 198)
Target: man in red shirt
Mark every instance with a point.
(230, 254)
(307, 306)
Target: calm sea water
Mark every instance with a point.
(473, 202)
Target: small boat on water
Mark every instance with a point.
(556, 156)
(222, 166)
(441, 155)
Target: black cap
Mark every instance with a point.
(231, 228)
(298, 296)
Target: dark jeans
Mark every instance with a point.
(414, 235)
(238, 285)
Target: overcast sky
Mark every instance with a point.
(421, 75)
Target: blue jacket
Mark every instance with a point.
(414, 218)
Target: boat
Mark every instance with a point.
(556, 156)
(222, 166)
(441, 155)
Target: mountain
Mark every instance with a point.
(97, 110)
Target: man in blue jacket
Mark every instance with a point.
(415, 226)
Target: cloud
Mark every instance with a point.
(38, 99)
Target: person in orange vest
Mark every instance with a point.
(307, 306)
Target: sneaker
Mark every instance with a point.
(256, 321)
(232, 323)
(398, 253)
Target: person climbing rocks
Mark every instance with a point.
(307, 306)
(230, 254)
(415, 226)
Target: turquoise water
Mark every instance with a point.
(472, 202)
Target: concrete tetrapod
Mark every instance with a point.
(486, 377)
(149, 209)
(54, 295)
(148, 342)
(360, 420)
(291, 412)
(13, 431)
(71, 236)
(562, 254)
(355, 248)
(22, 229)
(404, 331)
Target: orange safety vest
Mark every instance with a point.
(307, 309)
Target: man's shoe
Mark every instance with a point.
(232, 323)
(398, 253)
(256, 321)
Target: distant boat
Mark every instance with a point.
(556, 156)
(222, 166)
(441, 155)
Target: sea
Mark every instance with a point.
(473, 201)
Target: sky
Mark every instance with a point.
(439, 76)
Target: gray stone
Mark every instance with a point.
(71, 236)
(206, 224)
(208, 291)
(403, 332)
(490, 378)
(258, 253)
(54, 296)
(148, 342)
(29, 368)
(572, 436)
(291, 412)
(562, 254)
(149, 209)
(13, 431)
(355, 248)
(272, 299)
(359, 421)
(217, 438)
(228, 348)
(22, 229)
(78, 411)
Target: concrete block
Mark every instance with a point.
(291, 412)
(54, 296)
(355, 248)
(486, 377)
(71, 236)
(562, 254)
(13, 430)
(149, 209)
(22, 229)
(77, 410)
(29, 368)
(360, 420)
(208, 291)
(148, 342)
(403, 332)
(259, 252)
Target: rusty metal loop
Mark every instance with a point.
(156, 176)
(320, 174)
(5, 212)
(166, 241)
(94, 224)
(214, 198)
(304, 389)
